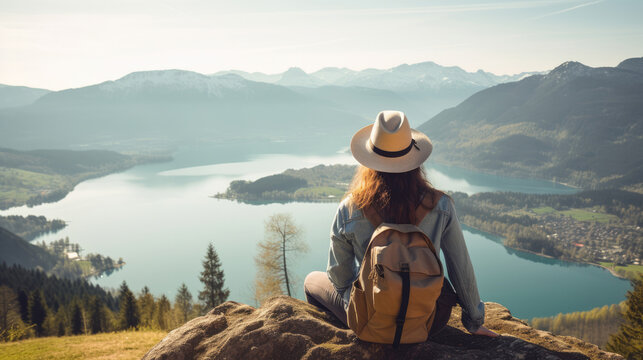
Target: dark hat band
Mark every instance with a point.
(392, 154)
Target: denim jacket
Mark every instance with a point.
(351, 233)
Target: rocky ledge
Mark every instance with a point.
(287, 328)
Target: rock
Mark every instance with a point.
(287, 328)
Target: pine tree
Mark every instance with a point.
(147, 307)
(183, 302)
(23, 301)
(76, 319)
(628, 341)
(213, 279)
(37, 312)
(95, 315)
(9, 308)
(129, 314)
(162, 313)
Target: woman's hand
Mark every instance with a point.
(485, 332)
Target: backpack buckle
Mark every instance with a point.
(404, 267)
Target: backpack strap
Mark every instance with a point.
(401, 316)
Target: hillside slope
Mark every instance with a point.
(576, 124)
(166, 107)
(37, 176)
(15, 250)
(13, 96)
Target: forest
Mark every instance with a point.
(39, 176)
(31, 226)
(319, 183)
(34, 304)
(594, 326)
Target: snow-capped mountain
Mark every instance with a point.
(178, 80)
(403, 78)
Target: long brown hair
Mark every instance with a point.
(393, 196)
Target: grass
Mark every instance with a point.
(629, 271)
(543, 210)
(585, 215)
(319, 192)
(17, 186)
(577, 214)
(87, 267)
(108, 346)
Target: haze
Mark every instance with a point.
(73, 43)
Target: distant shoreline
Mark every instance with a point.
(615, 274)
(519, 175)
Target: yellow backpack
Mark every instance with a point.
(394, 298)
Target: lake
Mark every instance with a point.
(160, 218)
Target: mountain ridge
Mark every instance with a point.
(577, 124)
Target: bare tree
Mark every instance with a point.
(282, 241)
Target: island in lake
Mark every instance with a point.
(602, 227)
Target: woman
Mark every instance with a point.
(390, 186)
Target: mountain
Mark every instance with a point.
(426, 88)
(402, 78)
(11, 96)
(297, 77)
(576, 124)
(15, 250)
(167, 107)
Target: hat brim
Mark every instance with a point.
(363, 153)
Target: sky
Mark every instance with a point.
(59, 44)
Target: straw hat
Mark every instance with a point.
(390, 145)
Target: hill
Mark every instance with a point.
(404, 77)
(12, 96)
(576, 124)
(15, 250)
(319, 183)
(421, 89)
(31, 226)
(37, 176)
(153, 109)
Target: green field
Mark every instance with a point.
(585, 215)
(543, 210)
(319, 192)
(577, 214)
(17, 185)
(629, 271)
(109, 346)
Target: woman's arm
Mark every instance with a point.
(461, 273)
(341, 258)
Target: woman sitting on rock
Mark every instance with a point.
(391, 187)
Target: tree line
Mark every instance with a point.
(593, 326)
(616, 328)
(30, 227)
(34, 304)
